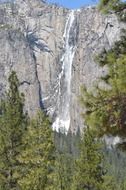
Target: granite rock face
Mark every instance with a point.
(96, 32)
(38, 40)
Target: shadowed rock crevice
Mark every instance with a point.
(32, 43)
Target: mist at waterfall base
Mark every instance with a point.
(74, 4)
(62, 121)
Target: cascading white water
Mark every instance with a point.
(62, 121)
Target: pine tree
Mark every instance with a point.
(110, 183)
(116, 6)
(12, 126)
(64, 168)
(108, 5)
(89, 166)
(106, 108)
(37, 156)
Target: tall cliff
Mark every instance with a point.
(52, 49)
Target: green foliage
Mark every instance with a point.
(63, 171)
(12, 126)
(67, 143)
(37, 156)
(26, 146)
(67, 150)
(107, 5)
(106, 108)
(116, 6)
(89, 167)
(115, 160)
(110, 183)
(28, 160)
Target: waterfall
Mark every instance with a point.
(62, 121)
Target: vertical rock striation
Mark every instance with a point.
(96, 32)
(52, 49)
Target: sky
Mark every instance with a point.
(74, 4)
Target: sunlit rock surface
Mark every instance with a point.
(52, 49)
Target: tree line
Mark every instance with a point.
(28, 156)
(33, 157)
